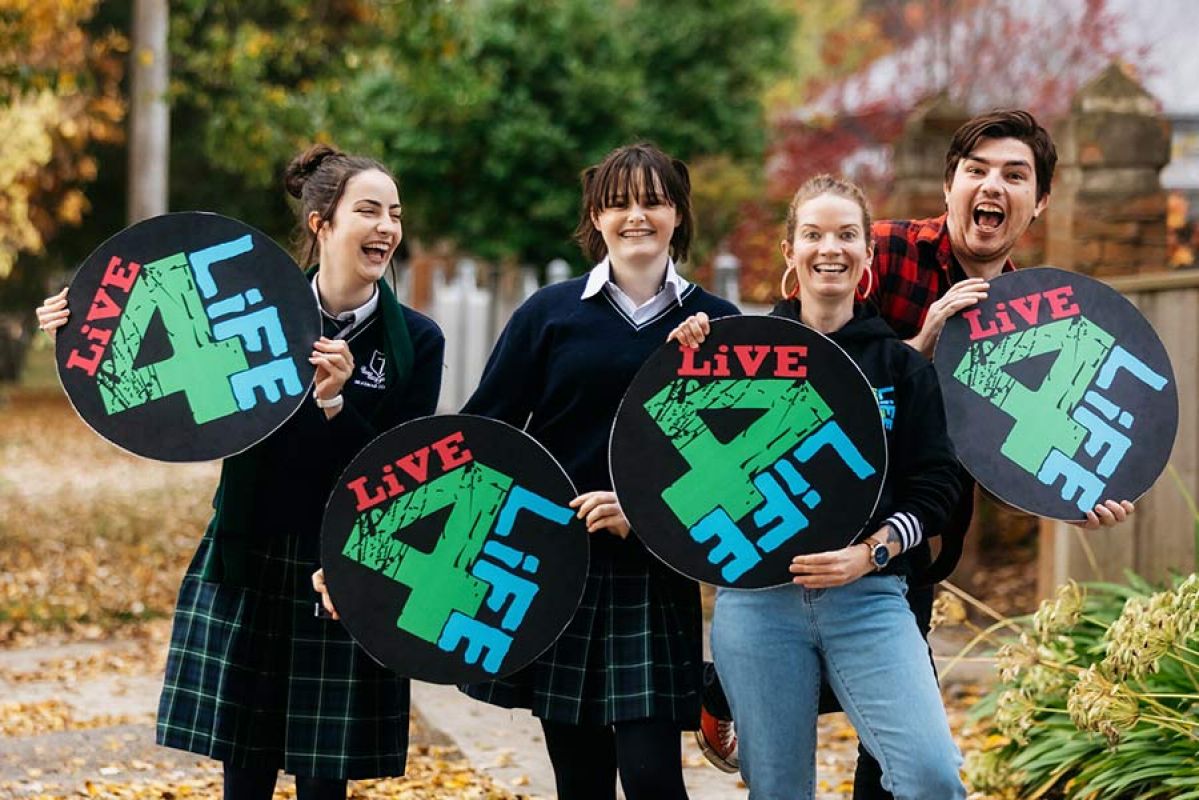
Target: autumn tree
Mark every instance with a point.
(864, 64)
(59, 98)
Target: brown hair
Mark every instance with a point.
(1009, 123)
(827, 184)
(317, 178)
(624, 172)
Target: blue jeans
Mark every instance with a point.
(772, 647)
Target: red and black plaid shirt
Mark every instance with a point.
(913, 266)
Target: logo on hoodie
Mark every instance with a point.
(886, 405)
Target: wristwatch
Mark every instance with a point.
(880, 554)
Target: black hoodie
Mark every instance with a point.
(922, 472)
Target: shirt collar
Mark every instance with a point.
(355, 316)
(601, 276)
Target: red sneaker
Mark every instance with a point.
(717, 740)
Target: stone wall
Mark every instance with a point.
(919, 159)
(1107, 212)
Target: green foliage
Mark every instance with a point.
(251, 83)
(488, 133)
(721, 188)
(1099, 697)
(487, 111)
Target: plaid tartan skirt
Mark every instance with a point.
(633, 650)
(253, 678)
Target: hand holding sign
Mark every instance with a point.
(449, 550)
(1058, 395)
(764, 442)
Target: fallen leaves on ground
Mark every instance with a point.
(49, 716)
(140, 656)
(94, 539)
(433, 773)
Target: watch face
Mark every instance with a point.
(880, 555)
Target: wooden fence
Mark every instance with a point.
(1160, 536)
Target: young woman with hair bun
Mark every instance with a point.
(253, 678)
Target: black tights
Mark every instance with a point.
(258, 783)
(586, 758)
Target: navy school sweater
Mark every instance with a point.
(561, 368)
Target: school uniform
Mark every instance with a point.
(253, 678)
(632, 651)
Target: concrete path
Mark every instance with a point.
(116, 684)
(508, 745)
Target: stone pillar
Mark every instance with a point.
(919, 158)
(1107, 211)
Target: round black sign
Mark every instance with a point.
(765, 443)
(188, 338)
(449, 549)
(1059, 394)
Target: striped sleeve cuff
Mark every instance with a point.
(910, 531)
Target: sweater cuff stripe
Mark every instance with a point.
(910, 531)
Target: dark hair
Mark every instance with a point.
(1010, 123)
(827, 184)
(635, 170)
(317, 178)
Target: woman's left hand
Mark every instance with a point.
(334, 365)
(601, 510)
(831, 568)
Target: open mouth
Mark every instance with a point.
(830, 269)
(640, 233)
(988, 216)
(376, 252)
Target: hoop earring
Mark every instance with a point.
(783, 284)
(860, 295)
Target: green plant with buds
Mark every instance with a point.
(1098, 695)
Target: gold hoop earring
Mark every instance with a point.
(869, 285)
(783, 283)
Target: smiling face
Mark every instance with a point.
(991, 200)
(358, 243)
(829, 250)
(637, 225)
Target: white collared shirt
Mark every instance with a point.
(348, 320)
(671, 293)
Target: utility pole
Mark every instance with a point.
(149, 115)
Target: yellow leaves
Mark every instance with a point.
(46, 716)
(38, 34)
(72, 207)
(69, 563)
(257, 42)
(50, 68)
